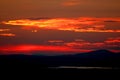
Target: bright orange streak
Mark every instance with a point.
(30, 49)
(43, 48)
(7, 34)
(23, 48)
(74, 24)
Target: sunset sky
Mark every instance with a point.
(58, 8)
(59, 26)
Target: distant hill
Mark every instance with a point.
(103, 58)
(99, 54)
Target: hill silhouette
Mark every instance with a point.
(103, 58)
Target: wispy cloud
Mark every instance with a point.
(7, 34)
(82, 24)
(68, 3)
(113, 40)
(2, 30)
(110, 43)
(55, 41)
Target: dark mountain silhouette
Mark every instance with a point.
(103, 58)
(99, 54)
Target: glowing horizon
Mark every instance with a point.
(60, 46)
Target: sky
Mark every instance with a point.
(59, 8)
(54, 27)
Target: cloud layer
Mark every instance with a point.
(110, 43)
(82, 24)
(61, 47)
(59, 35)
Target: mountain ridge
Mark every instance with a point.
(94, 58)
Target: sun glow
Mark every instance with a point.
(38, 48)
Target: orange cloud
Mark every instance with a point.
(66, 24)
(113, 40)
(110, 43)
(70, 3)
(7, 34)
(55, 41)
(1, 30)
(96, 45)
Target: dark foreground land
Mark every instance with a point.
(96, 59)
(97, 63)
